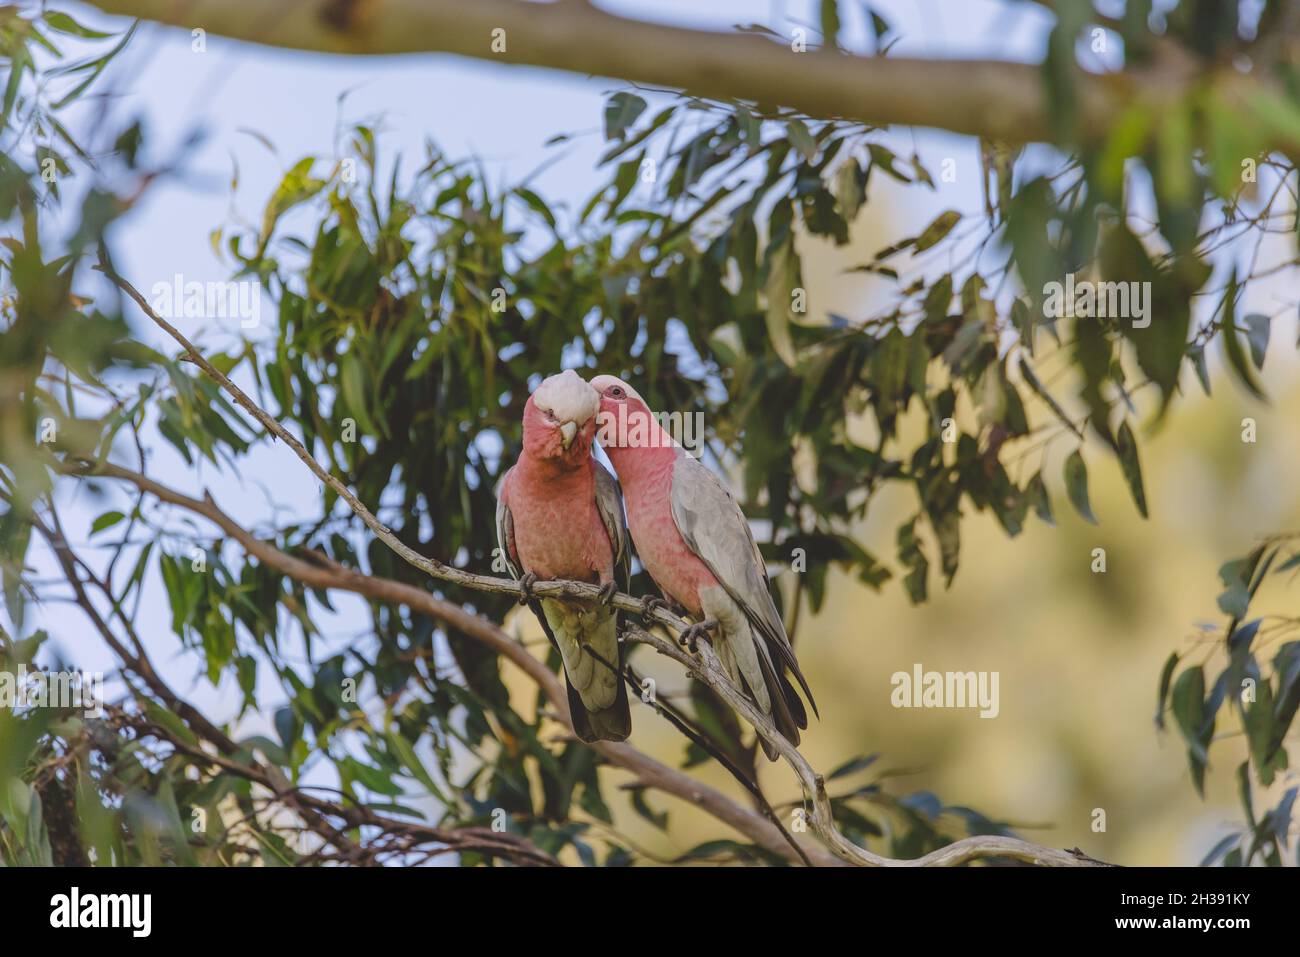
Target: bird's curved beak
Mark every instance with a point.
(567, 431)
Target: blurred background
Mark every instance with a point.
(1078, 653)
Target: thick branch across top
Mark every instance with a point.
(993, 99)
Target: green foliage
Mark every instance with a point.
(415, 311)
(1257, 687)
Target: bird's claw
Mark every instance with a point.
(607, 592)
(690, 637)
(649, 603)
(526, 583)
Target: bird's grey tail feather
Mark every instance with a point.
(612, 722)
(787, 710)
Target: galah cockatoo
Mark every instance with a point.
(560, 516)
(693, 539)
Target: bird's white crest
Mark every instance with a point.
(567, 397)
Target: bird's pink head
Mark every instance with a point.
(625, 421)
(560, 419)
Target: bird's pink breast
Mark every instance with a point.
(558, 530)
(661, 548)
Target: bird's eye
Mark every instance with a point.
(616, 392)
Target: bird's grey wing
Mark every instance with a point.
(715, 529)
(609, 503)
(506, 530)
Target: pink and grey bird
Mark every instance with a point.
(560, 516)
(695, 543)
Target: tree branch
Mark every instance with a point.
(993, 99)
(706, 668)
